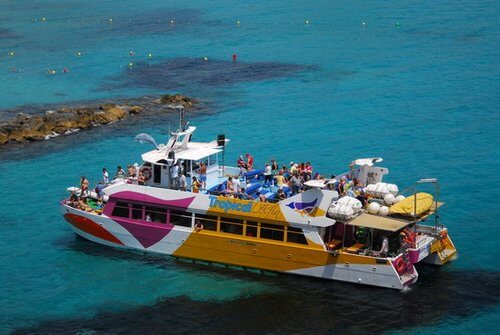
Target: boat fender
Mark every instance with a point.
(147, 173)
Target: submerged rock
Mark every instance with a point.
(66, 120)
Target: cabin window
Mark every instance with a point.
(156, 214)
(271, 232)
(252, 228)
(121, 210)
(295, 235)
(232, 226)
(180, 218)
(212, 159)
(137, 212)
(157, 173)
(209, 222)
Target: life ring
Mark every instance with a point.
(147, 173)
(400, 265)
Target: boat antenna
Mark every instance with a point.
(221, 142)
(180, 109)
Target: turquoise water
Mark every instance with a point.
(416, 84)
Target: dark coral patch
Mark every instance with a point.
(182, 72)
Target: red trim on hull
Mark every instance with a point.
(90, 227)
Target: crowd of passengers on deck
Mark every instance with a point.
(289, 181)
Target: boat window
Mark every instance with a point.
(271, 232)
(180, 218)
(295, 235)
(121, 210)
(232, 226)
(157, 173)
(156, 214)
(209, 222)
(137, 212)
(212, 159)
(252, 227)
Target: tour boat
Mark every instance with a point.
(319, 232)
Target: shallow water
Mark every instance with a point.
(421, 94)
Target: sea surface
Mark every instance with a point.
(414, 82)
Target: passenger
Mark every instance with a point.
(332, 184)
(73, 200)
(342, 186)
(242, 194)
(135, 169)
(84, 186)
(280, 195)
(236, 184)
(261, 197)
(148, 218)
(302, 169)
(293, 168)
(274, 167)
(182, 182)
(295, 183)
(241, 163)
(249, 162)
(285, 172)
(174, 174)
(130, 171)
(203, 175)
(141, 179)
(243, 172)
(82, 204)
(230, 186)
(195, 185)
(280, 179)
(268, 174)
(385, 246)
(359, 193)
(198, 225)
(105, 176)
(120, 173)
(308, 171)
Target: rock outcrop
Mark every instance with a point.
(177, 99)
(26, 128)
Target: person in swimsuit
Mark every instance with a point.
(84, 185)
(195, 185)
(203, 175)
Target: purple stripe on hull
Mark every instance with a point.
(147, 234)
(140, 197)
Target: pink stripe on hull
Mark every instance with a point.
(147, 234)
(147, 199)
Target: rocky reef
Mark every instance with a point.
(65, 120)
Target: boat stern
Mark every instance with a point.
(442, 250)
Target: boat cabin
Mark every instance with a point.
(365, 234)
(163, 165)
